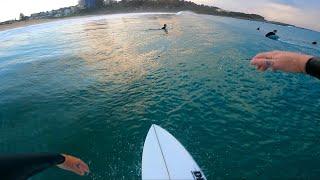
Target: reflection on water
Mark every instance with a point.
(118, 49)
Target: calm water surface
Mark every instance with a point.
(92, 87)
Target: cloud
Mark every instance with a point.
(290, 14)
(10, 9)
(296, 12)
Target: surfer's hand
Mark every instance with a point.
(281, 60)
(74, 164)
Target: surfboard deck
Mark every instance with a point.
(164, 157)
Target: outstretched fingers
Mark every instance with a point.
(81, 168)
(262, 64)
(84, 167)
(74, 164)
(266, 55)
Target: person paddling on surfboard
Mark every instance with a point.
(23, 166)
(164, 27)
(273, 33)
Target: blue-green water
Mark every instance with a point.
(92, 87)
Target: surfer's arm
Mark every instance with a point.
(23, 166)
(287, 62)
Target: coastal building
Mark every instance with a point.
(108, 2)
(8, 22)
(87, 4)
(62, 12)
(67, 12)
(74, 9)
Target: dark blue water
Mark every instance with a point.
(92, 87)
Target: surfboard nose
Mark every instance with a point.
(164, 157)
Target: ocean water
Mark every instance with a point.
(92, 86)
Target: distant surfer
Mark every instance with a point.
(258, 29)
(272, 35)
(23, 166)
(314, 43)
(164, 27)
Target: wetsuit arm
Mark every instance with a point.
(313, 67)
(23, 166)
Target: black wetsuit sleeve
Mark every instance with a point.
(23, 166)
(313, 67)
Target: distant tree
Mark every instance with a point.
(22, 17)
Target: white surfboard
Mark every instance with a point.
(164, 158)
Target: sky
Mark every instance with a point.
(304, 13)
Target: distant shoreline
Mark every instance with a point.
(19, 24)
(134, 6)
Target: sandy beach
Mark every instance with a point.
(24, 23)
(18, 24)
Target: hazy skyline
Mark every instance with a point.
(297, 12)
